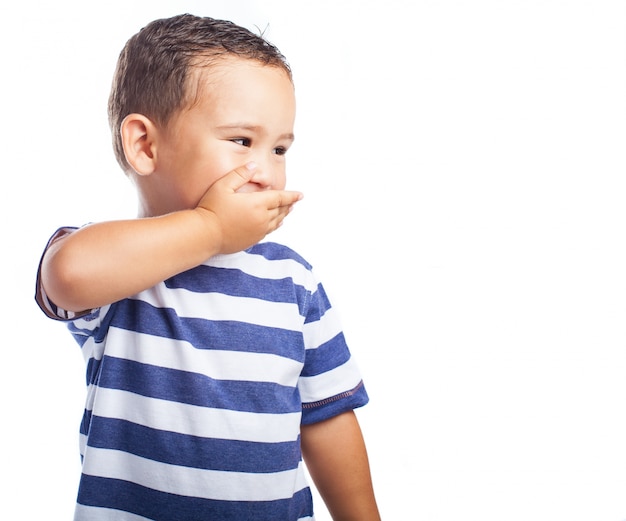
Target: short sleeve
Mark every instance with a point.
(50, 309)
(331, 382)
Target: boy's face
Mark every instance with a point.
(244, 111)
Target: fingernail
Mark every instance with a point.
(251, 166)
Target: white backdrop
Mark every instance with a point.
(463, 170)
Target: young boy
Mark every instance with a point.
(215, 363)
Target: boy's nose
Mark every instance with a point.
(264, 177)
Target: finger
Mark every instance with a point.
(287, 198)
(238, 177)
(276, 222)
(279, 215)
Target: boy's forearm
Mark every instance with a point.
(105, 262)
(336, 457)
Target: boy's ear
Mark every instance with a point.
(139, 141)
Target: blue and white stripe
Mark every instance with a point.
(196, 390)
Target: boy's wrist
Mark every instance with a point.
(211, 230)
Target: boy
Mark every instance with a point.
(215, 363)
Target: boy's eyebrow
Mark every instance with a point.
(254, 128)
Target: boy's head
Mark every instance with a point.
(192, 99)
(153, 75)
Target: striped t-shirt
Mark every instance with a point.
(196, 389)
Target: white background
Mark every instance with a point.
(463, 170)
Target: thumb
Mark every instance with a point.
(238, 177)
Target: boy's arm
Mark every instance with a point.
(105, 262)
(335, 454)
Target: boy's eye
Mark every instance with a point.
(280, 151)
(243, 141)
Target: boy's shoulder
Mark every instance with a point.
(276, 251)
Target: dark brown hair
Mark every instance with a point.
(154, 66)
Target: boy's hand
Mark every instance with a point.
(243, 219)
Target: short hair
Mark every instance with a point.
(153, 69)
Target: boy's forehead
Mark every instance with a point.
(216, 65)
(221, 66)
(226, 74)
(241, 90)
